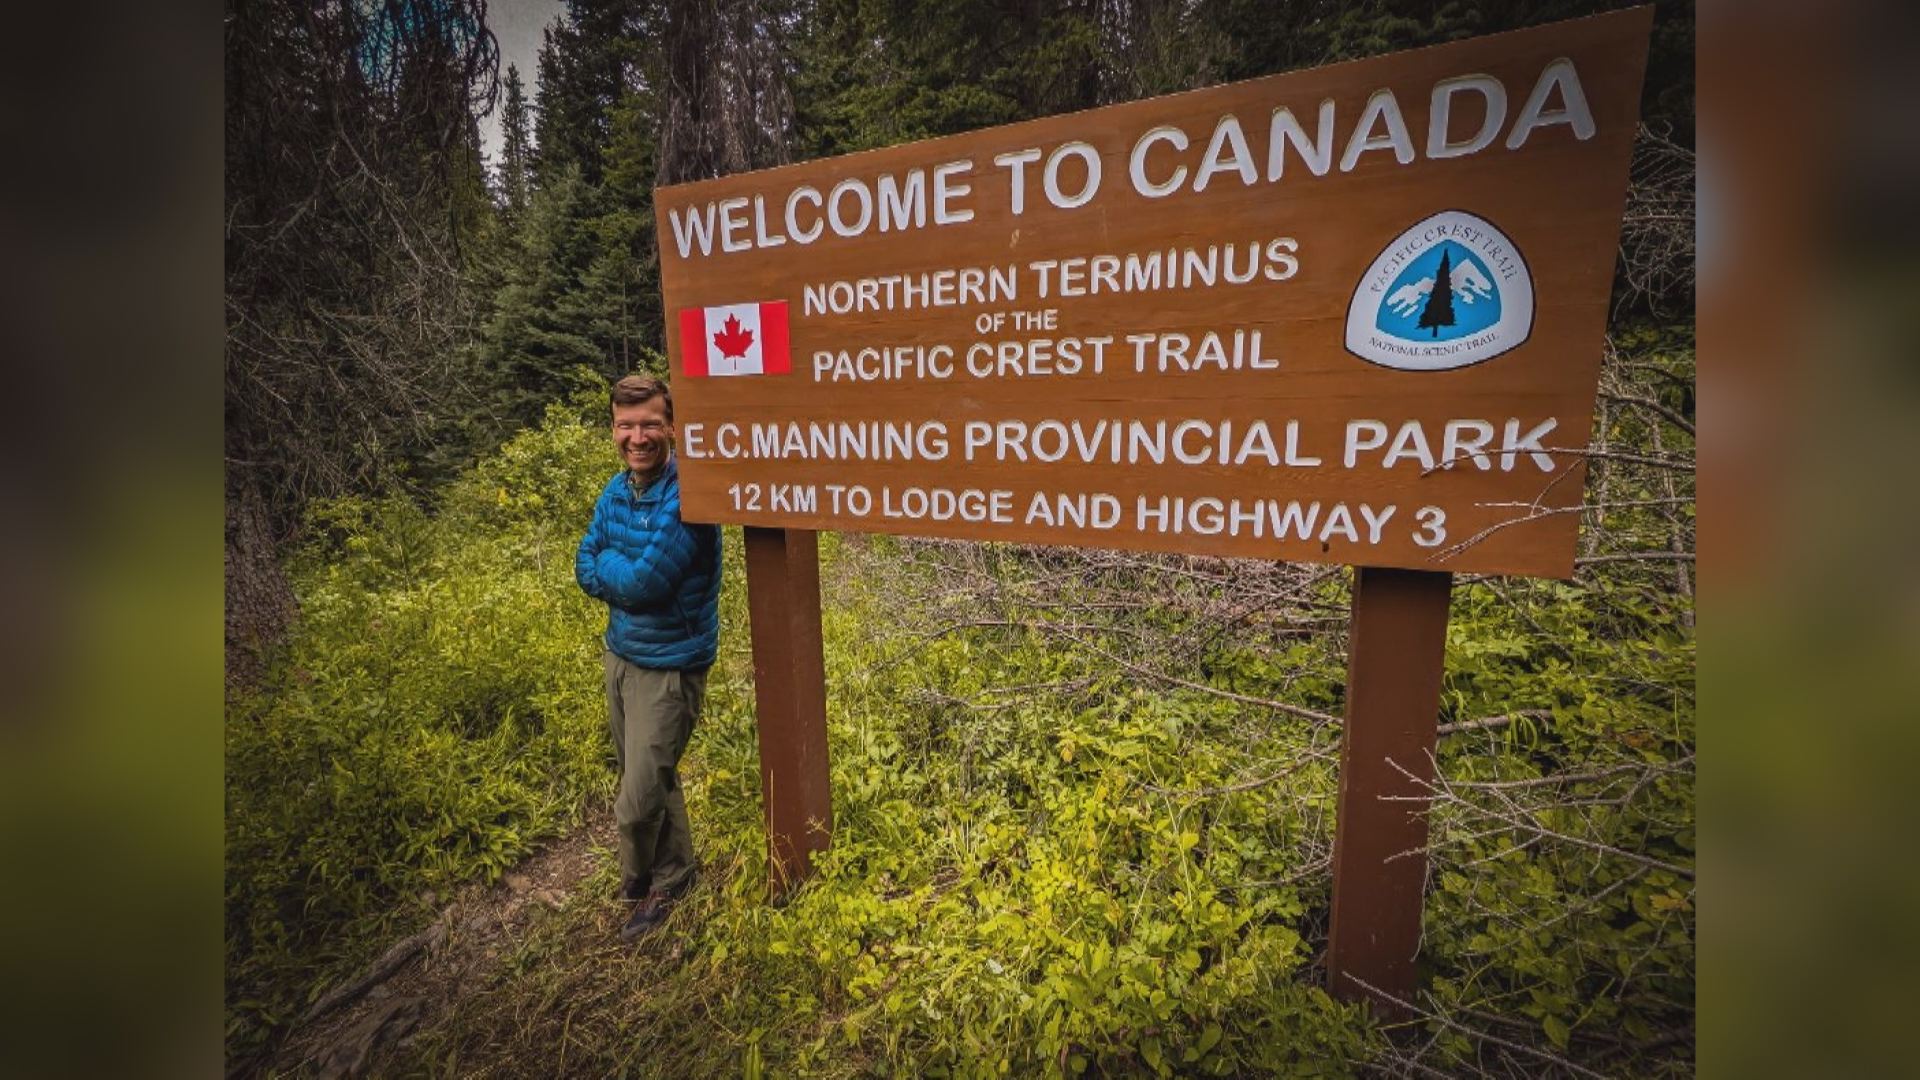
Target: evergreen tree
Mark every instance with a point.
(516, 155)
(623, 280)
(1439, 309)
(538, 331)
(874, 74)
(579, 277)
(584, 69)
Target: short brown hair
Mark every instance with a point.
(635, 389)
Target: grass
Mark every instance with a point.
(1050, 857)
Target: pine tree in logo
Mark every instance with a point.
(1439, 309)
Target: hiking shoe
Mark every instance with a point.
(647, 914)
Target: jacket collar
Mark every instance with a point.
(669, 474)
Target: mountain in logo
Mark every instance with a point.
(1469, 285)
(1470, 304)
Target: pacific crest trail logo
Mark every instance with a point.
(1449, 292)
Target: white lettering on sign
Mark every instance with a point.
(853, 207)
(1037, 357)
(972, 285)
(1137, 163)
(1573, 111)
(804, 236)
(1158, 165)
(1090, 162)
(1195, 441)
(1236, 263)
(947, 189)
(903, 205)
(1276, 520)
(1017, 161)
(1228, 151)
(945, 504)
(1440, 114)
(1133, 442)
(836, 207)
(1317, 154)
(1181, 353)
(1409, 444)
(1382, 108)
(1073, 510)
(884, 364)
(821, 440)
(1262, 519)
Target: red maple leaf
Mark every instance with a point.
(732, 340)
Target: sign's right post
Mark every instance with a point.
(1395, 660)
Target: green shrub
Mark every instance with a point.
(435, 714)
(1046, 860)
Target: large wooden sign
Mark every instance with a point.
(1350, 315)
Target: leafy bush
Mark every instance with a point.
(1083, 800)
(436, 713)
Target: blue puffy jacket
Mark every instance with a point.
(659, 576)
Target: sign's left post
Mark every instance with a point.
(790, 699)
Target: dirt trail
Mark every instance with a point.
(452, 957)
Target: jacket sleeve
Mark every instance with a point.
(585, 570)
(650, 577)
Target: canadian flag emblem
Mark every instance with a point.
(735, 339)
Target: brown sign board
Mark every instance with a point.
(1352, 315)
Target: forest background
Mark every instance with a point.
(1084, 800)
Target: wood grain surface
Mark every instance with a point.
(1558, 198)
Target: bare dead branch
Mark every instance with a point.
(1652, 406)
(1474, 1034)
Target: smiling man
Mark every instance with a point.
(660, 579)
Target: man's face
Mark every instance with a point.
(642, 434)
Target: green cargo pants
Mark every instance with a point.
(651, 715)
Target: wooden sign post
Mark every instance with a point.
(1352, 315)
(1395, 653)
(790, 699)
